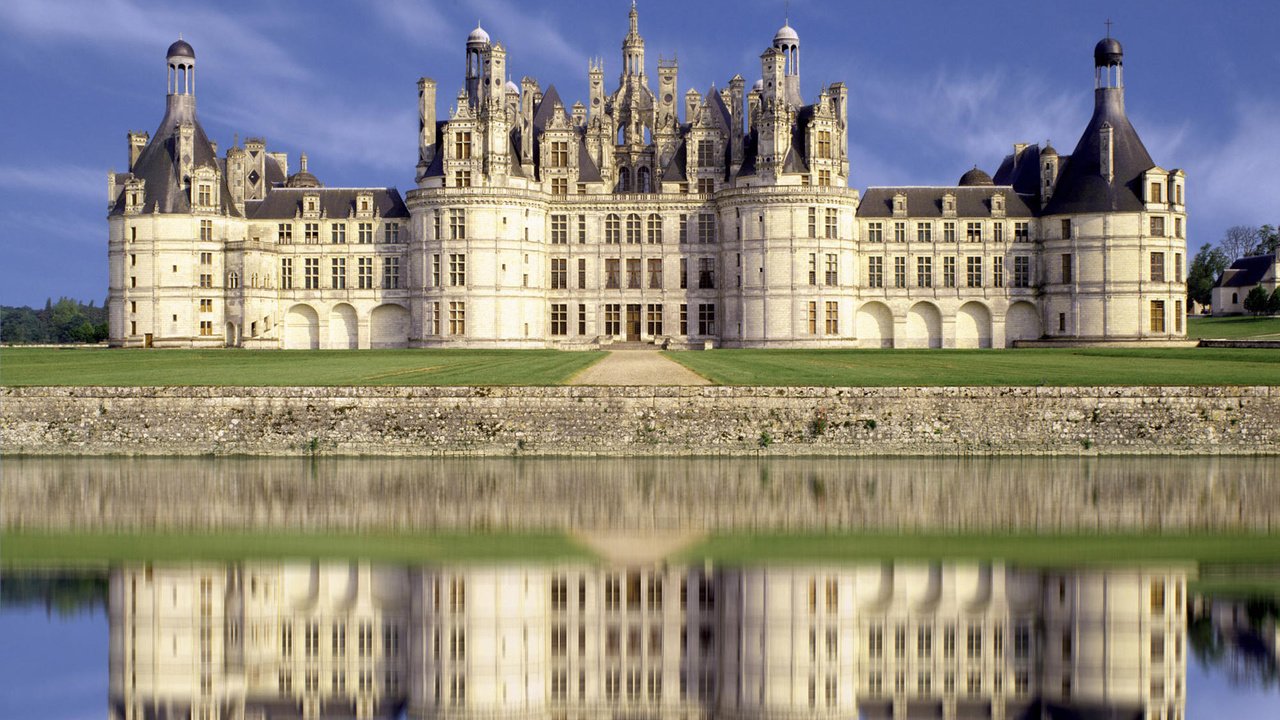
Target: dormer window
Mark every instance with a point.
(311, 204)
(462, 145)
(204, 195)
(997, 204)
(1157, 193)
(900, 204)
(949, 204)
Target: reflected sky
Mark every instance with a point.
(348, 639)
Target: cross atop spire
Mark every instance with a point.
(1108, 27)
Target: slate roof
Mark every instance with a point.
(587, 169)
(1081, 187)
(158, 164)
(1247, 271)
(1022, 172)
(971, 202)
(335, 203)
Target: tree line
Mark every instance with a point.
(1211, 260)
(64, 321)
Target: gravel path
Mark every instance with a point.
(637, 367)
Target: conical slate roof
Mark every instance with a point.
(1081, 188)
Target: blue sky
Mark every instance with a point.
(935, 88)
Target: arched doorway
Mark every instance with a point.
(389, 327)
(973, 326)
(924, 326)
(232, 335)
(342, 327)
(301, 328)
(874, 324)
(1022, 322)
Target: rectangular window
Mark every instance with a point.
(824, 144)
(582, 319)
(875, 232)
(1157, 193)
(1157, 226)
(997, 271)
(1022, 271)
(1177, 267)
(684, 330)
(1157, 267)
(653, 324)
(973, 271)
(559, 154)
(1022, 232)
(832, 223)
(559, 229)
(582, 273)
(1066, 229)
(706, 186)
(949, 271)
(813, 268)
(204, 196)
(457, 318)
(391, 232)
(1066, 267)
(833, 317)
(613, 230)
(655, 273)
(949, 232)
(633, 229)
(311, 233)
(633, 273)
(997, 231)
(824, 178)
(612, 326)
(1177, 316)
(924, 232)
(338, 273)
(875, 272)
(462, 145)
(706, 273)
(390, 273)
(206, 230)
(813, 222)
(435, 270)
(559, 273)
(900, 272)
(458, 224)
(582, 229)
(206, 305)
(364, 273)
(559, 186)
(899, 232)
(559, 319)
(684, 228)
(311, 272)
(364, 233)
(811, 317)
(924, 272)
(206, 258)
(457, 269)
(286, 273)
(284, 233)
(653, 230)
(1177, 227)
(612, 273)
(338, 233)
(707, 227)
(833, 270)
(1157, 316)
(707, 319)
(973, 232)
(206, 327)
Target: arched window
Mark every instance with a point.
(233, 280)
(1235, 298)
(633, 229)
(613, 229)
(654, 235)
(624, 180)
(644, 183)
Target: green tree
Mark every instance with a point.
(1257, 300)
(1273, 304)
(1204, 271)
(1268, 240)
(1239, 241)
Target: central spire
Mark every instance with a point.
(633, 45)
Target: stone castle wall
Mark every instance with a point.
(653, 421)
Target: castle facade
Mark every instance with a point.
(720, 218)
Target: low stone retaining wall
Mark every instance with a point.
(663, 421)
(1246, 344)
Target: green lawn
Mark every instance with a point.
(1030, 549)
(98, 366)
(60, 549)
(1048, 366)
(1234, 328)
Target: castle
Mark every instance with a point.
(260, 640)
(721, 218)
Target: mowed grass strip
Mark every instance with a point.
(1048, 366)
(1027, 548)
(129, 367)
(74, 549)
(1234, 328)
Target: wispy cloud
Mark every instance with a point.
(511, 23)
(75, 181)
(1236, 176)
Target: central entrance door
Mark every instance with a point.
(633, 323)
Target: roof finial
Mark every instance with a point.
(786, 16)
(1108, 27)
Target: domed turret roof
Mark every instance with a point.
(181, 48)
(302, 178)
(786, 34)
(1048, 151)
(1108, 52)
(759, 84)
(513, 87)
(975, 177)
(478, 35)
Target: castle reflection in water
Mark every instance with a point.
(354, 640)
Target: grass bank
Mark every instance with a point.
(61, 549)
(1234, 328)
(1033, 366)
(129, 367)
(1029, 549)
